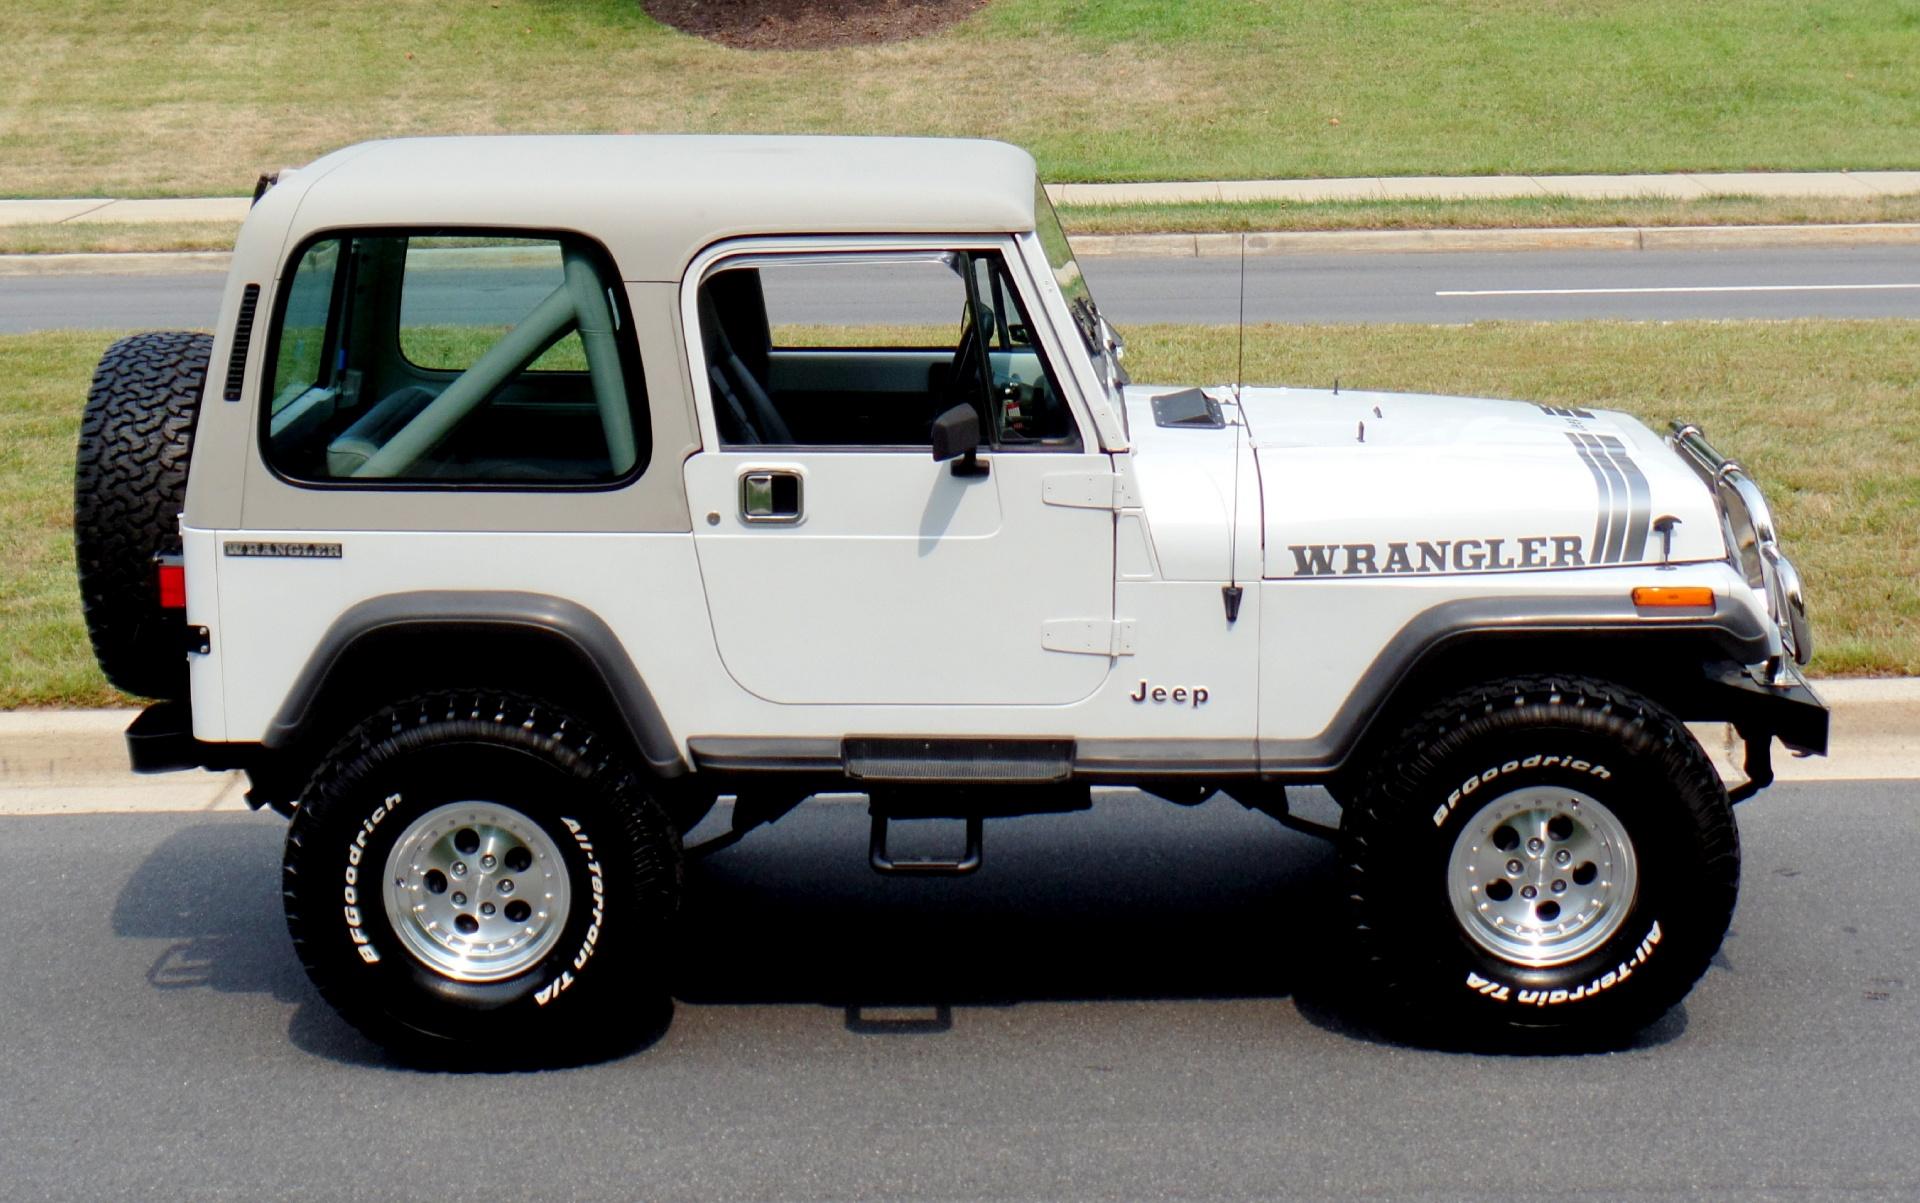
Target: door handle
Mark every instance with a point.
(770, 496)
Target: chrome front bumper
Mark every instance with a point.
(1752, 540)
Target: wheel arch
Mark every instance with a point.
(401, 643)
(1680, 663)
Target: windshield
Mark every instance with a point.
(1103, 344)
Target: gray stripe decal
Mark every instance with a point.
(1617, 488)
(1605, 521)
(1640, 501)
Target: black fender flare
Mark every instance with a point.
(1695, 646)
(567, 624)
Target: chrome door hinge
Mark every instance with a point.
(1088, 636)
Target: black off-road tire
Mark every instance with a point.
(129, 486)
(1557, 739)
(596, 990)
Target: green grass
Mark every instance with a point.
(101, 237)
(1826, 415)
(44, 655)
(167, 97)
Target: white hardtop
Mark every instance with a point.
(656, 200)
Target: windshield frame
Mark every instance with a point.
(1103, 343)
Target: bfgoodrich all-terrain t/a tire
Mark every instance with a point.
(130, 483)
(1545, 853)
(476, 879)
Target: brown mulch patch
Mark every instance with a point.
(809, 24)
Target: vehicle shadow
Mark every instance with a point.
(1142, 901)
(212, 892)
(1156, 903)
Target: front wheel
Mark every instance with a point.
(474, 877)
(1551, 854)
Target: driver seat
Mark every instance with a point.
(740, 394)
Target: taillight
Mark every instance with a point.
(173, 582)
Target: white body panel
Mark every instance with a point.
(274, 611)
(902, 583)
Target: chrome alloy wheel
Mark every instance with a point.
(1542, 876)
(477, 891)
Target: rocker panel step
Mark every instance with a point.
(984, 761)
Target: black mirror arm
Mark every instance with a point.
(971, 465)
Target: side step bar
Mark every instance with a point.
(969, 861)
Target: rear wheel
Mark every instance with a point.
(473, 878)
(1550, 854)
(130, 484)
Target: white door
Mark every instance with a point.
(842, 564)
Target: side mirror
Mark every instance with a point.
(956, 436)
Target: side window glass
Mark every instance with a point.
(455, 360)
(303, 332)
(457, 293)
(865, 351)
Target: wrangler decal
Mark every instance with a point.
(1422, 556)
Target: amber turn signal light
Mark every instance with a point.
(1673, 595)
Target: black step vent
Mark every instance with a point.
(242, 335)
(1190, 407)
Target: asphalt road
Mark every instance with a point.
(1432, 287)
(1123, 1005)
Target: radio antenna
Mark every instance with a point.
(1240, 355)
(1231, 592)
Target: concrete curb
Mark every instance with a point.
(1190, 246)
(70, 753)
(1579, 238)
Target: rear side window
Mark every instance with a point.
(432, 359)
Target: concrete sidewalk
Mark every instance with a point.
(75, 761)
(1685, 186)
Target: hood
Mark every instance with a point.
(1358, 483)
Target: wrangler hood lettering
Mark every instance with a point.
(1358, 484)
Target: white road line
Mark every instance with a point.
(1588, 292)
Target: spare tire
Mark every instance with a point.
(129, 486)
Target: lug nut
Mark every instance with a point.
(487, 862)
(1529, 892)
(1515, 868)
(486, 908)
(505, 886)
(459, 868)
(1535, 844)
(1562, 857)
(1559, 887)
(460, 899)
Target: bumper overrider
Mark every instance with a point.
(1775, 698)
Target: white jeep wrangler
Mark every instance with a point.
(544, 490)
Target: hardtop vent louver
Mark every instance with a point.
(242, 335)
